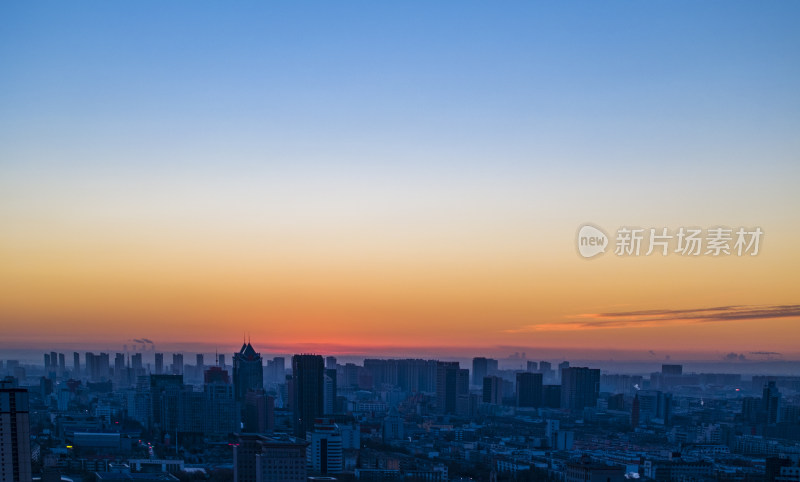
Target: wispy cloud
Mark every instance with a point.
(651, 318)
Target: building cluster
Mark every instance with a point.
(313, 418)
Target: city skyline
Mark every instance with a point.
(389, 178)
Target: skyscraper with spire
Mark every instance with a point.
(248, 371)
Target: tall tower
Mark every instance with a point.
(15, 445)
(248, 372)
(308, 388)
(580, 387)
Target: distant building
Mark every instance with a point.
(15, 445)
(482, 367)
(493, 390)
(159, 364)
(771, 402)
(248, 371)
(580, 388)
(672, 370)
(258, 458)
(177, 363)
(451, 382)
(258, 412)
(324, 453)
(308, 397)
(529, 389)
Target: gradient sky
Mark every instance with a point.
(379, 175)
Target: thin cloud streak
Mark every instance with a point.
(664, 317)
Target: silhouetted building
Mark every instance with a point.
(308, 397)
(15, 446)
(672, 370)
(771, 402)
(451, 382)
(259, 412)
(529, 389)
(493, 390)
(248, 371)
(177, 363)
(257, 458)
(159, 364)
(580, 387)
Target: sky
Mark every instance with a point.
(390, 177)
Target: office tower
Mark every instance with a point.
(220, 415)
(91, 365)
(751, 407)
(162, 400)
(451, 382)
(771, 402)
(221, 360)
(546, 369)
(580, 387)
(533, 367)
(330, 363)
(308, 396)
(159, 364)
(529, 389)
(46, 363)
(76, 364)
(493, 390)
(248, 371)
(53, 362)
(671, 369)
(653, 404)
(62, 364)
(177, 363)
(199, 361)
(561, 367)
(329, 406)
(216, 375)
(15, 445)
(136, 364)
(119, 366)
(258, 412)
(479, 370)
(324, 452)
(491, 366)
(257, 458)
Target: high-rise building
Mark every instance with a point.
(324, 452)
(771, 402)
(451, 382)
(532, 366)
(15, 445)
(493, 390)
(177, 363)
(248, 371)
(529, 389)
(308, 397)
(672, 369)
(62, 364)
(220, 415)
(329, 406)
(136, 364)
(259, 412)
(221, 360)
(330, 363)
(199, 361)
(652, 405)
(47, 363)
(479, 370)
(76, 364)
(159, 363)
(580, 388)
(257, 458)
